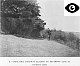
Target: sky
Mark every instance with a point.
(52, 11)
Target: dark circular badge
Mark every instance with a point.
(72, 7)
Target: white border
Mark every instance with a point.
(36, 61)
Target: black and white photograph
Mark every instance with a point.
(38, 28)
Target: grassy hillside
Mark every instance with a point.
(70, 39)
(11, 46)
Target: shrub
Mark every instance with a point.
(66, 38)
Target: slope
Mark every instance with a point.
(11, 46)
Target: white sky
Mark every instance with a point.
(53, 13)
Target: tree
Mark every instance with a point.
(21, 17)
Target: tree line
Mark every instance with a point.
(21, 17)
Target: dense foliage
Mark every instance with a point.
(21, 17)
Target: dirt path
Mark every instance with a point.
(11, 46)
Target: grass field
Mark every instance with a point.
(11, 46)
